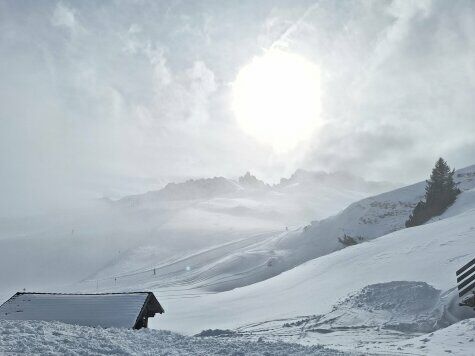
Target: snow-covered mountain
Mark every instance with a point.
(190, 190)
(248, 181)
(143, 231)
(262, 256)
(378, 215)
(394, 292)
(295, 200)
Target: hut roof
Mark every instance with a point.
(121, 310)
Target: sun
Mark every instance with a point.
(276, 99)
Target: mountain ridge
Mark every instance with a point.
(220, 186)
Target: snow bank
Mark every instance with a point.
(53, 338)
(457, 339)
(400, 305)
(389, 318)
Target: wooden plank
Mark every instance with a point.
(460, 270)
(466, 274)
(466, 290)
(467, 281)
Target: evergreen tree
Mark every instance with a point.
(441, 192)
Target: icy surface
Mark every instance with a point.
(53, 338)
(111, 310)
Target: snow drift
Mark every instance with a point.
(53, 338)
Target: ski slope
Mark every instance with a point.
(302, 286)
(173, 228)
(261, 256)
(430, 253)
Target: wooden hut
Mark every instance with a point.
(107, 310)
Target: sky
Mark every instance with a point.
(106, 98)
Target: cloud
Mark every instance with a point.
(64, 16)
(202, 85)
(397, 81)
(95, 92)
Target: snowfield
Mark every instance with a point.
(203, 217)
(430, 253)
(53, 338)
(392, 293)
(258, 257)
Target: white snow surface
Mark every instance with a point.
(457, 339)
(258, 257)
(385, 295)
(429, 253)
(202, 217)
(54, 338)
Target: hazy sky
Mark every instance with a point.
(105, 97)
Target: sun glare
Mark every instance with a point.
(276, 99)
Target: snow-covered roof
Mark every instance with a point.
(120, 310)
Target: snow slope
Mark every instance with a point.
(259, 257)
(384, 295)
(53, 338)
(430, 253)
(301, 285)
(457, 339)
(160, 228)
(378, 215)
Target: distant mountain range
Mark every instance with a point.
(301, 180)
